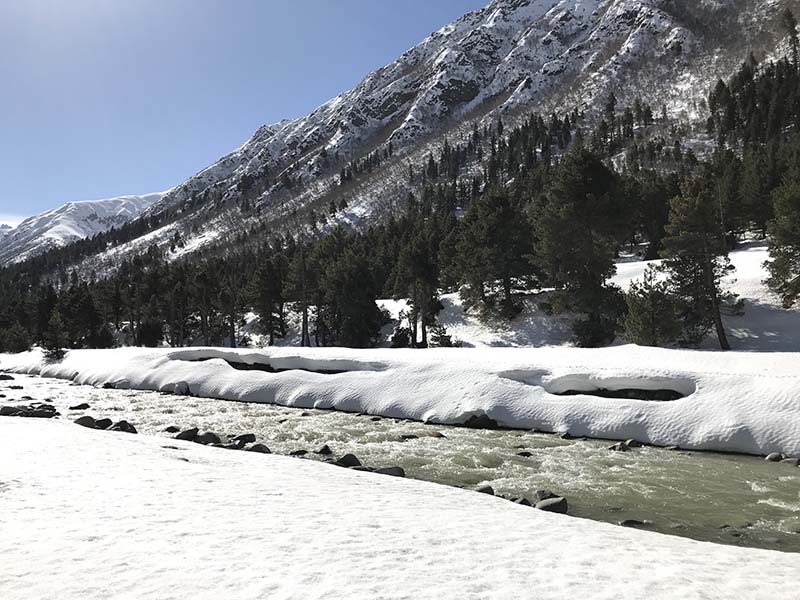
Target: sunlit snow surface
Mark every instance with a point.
(741, 402)
(90, 514)
(689, 494)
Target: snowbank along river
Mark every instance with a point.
(725, 498)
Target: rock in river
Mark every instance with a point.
(556, 505)
(85, 421)
(348, 460)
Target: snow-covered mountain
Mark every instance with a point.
(4, 229)
(508, 59)
(72, 221)
(512, 55)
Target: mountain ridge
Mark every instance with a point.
(505, 60)
(70, 222)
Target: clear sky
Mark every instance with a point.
(101, 98)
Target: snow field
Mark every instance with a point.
(110, 515)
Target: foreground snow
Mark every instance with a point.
(734, 402)
(104, 514)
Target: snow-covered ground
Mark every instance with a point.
(741, 402)
(764, 326)
(104, 514)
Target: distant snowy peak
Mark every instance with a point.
(72, 221)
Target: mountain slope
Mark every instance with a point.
(72, 221)
(508, 59)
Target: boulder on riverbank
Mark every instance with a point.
(188, 435)
(259, 449)
(207, 438)
(555, 505)
(348, 460)
(36, 410)
(85, 421)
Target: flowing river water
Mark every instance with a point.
(724, 498)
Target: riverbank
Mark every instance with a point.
(736, 402)
(725, 498)
(103, 514)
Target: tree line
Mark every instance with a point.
(499, 216)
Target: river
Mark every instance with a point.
(723, 498)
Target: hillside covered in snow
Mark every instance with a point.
(507, 60)
(68, 223)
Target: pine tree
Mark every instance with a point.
(55, 338)
(15, 339)
(495, 245)
(577, 225)
(267, 298)
(300, 283)
(784, 238)
(697, 259)
(652, 318)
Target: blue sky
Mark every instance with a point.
(102, 98)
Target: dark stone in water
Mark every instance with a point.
(259, 449)
(172, 429)
(188, 435)
(619, 447)
(245, 438)
(486, 489)
(634, 523)
(5, 377)
(324, 451)
(103, 424)
(409, 437)
(348, 460)
(541, 495)
(556, 505)
(207, 438)
(298, 453)
(124, 427)
(85, 421)
(525, 454)
(82, 406)
(392, 471)
(482, 421)
(521, 501)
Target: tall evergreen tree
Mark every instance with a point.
(696, 259)
(55, 338)
(784, 237)
(652, 318)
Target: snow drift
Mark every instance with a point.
(102, 514)
(738, 402)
